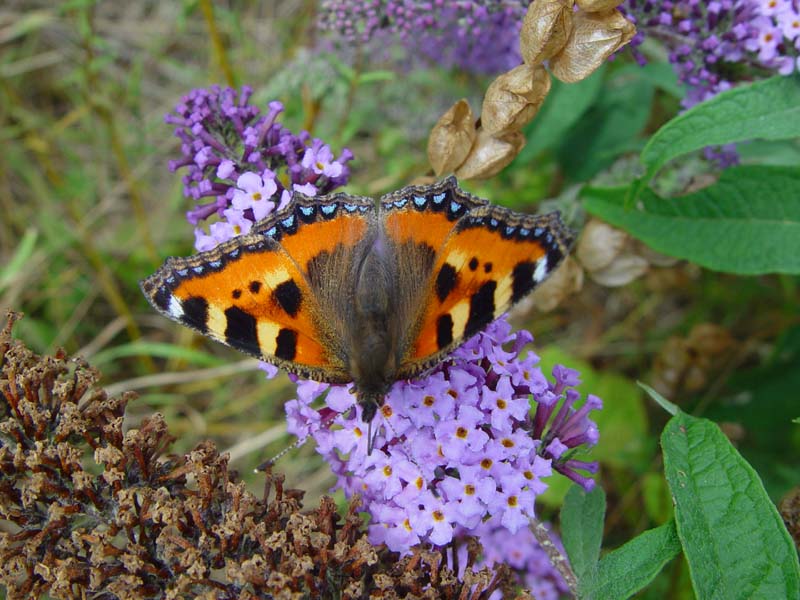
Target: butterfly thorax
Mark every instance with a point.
(372, 356)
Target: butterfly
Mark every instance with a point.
(340, 288)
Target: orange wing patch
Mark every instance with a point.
(248, 294)
(492, 260)
(426, 214)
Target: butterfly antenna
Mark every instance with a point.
(271, 462)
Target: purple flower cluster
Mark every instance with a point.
(520, 551)
(457, 447)
(709, 42)
(481, 36)
(244, 163)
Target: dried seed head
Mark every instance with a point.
(490, 154)
(599, 245)
(514, 98)
(140, 523)
(451, 138)
(545, 30)
(595, 36)
(597, 5)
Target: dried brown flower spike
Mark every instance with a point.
(90, 510)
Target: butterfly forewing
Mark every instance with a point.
(249, 293)
(417, 220)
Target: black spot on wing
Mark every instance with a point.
(481, 309)
(446, 281)
(255, 287)
(288, 295)
(444, 331)
(522, 281)
(487, 267)
(195, 313)
(473, 264)
(162, 297)
(240, 332)
(236, 294)
(286, 344)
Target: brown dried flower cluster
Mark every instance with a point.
(573, 43)
(90, 510)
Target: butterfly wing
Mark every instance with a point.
(258, 292)
(487, 258)
(417, 220)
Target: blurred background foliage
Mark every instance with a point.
(89, 208)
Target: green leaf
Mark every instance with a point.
(582, 529)
(376, 76)
(733, 538)
(763, 400)
(626, 570)
(565, 104)
(767, 110)
(158, 349)
(612, 125)
(746, 223)
(663, 402)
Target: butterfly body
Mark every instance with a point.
(341, 289)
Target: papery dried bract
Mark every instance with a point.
(514, 98)
(595, 37)
(597, 5)
(625, 268)
(599, 245)
(545, 30)
(451, 138)
(490, 154)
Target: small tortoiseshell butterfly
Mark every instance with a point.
(339, 288)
